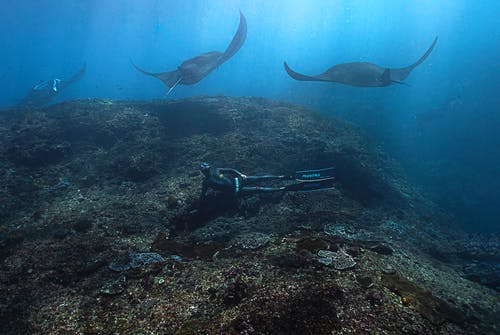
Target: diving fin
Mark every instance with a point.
(314, 175)
(309, 186)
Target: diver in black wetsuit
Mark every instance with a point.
(229, 181)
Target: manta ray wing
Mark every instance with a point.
(237, 41)
(77, 76)
(171, 79)
(299, 76)
(402, 73)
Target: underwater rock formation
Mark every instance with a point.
(340, 260)
(85, 182)
(135, 260)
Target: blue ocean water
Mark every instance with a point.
(444, 127)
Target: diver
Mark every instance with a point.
(231, 181)
(43, 93)
(230, 184)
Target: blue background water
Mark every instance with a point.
(444, 128)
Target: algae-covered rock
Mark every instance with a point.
(250, 241)
(114, 287)
(135, 260)
(87, 180)
(434, 309)
(340, 260)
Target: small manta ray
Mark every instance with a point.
(362, 74)
(195, 69)
(41, 94)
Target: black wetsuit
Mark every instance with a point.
(232, 181)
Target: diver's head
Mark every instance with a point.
(204, 167)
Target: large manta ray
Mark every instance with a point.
(362, 73)
(43, 93)
(195, 69)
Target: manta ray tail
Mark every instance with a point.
(171, 79)
(171, 88)
(397, 75)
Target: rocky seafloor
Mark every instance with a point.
(102, 230)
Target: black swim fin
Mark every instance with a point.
(314, 175)
(309, 186)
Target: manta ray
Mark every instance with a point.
(195, 69)
(41, 94)
(362, 74)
